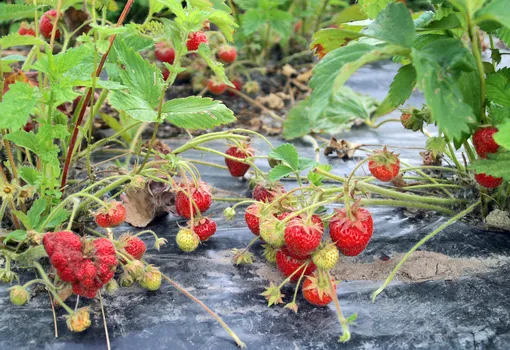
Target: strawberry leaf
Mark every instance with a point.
(29, 175)
(15, 39)
(286, 153)
(436, 145)
(278, 172)
(373, 7)
(498, 87)
(400, 90)
(316, 178)
(495, 10)
(36, 210)
(197, 113)
(17, 105)
(17, 11)
(136, 107)
(502, 137)
(18, 236)
(498, 165)
(393, 25)
(333, 38)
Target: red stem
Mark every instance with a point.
(72, 144)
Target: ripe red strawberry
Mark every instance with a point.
(195, 39)
(227, 54)
(483, 140)
(164, 52)
(112, 216)
(384, 165)
(298, 26)
(302, 236)
(238, 83)
(26, 29)
(52, 241)
(488, 181)
(135, 247)
(287, 265)
(29, 127)
(267, 193)
(236, 168)
(166, 73)
(201, 196)
(216, 86)
(205, 228)
(351, 234)
(316, 291)
(252, 218)
(46, 24)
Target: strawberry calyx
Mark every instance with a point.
(383, 158)
(355, 217)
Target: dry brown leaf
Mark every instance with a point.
(398, 181)
(343, 148)
(75, 18)
(140, 206)
(288, 71)
(304, 77)
(272, 101)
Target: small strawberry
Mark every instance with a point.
(288, 265)
(166, 73)
(236, 168)
(238, 83)
(205, 228)
(201, 197)
(227, 54)
(483, 140)
(297, 26)
(46, 24)
(384, 165)
(316, 291)
(252, 87)
(79, 321)
(134, 247)
(113, 215)
(351, 233)
(151, 279)
(26, 29)
(164, 52)
(268, 192)
(302, 236)
(19, 295)
(195, 39)
(252, 218)
(29, 127)
(216, 86)
(326, 257)
(411, 121)
(187, 240)
(488, 181)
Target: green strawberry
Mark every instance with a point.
(151, 279)
(326, 256)
(187, 240)
(19, 295)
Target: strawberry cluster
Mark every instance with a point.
(88, 265)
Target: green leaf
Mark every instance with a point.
(498, 87)
(281, 22)
(454, 117)
(15, 39)
(468, 6)
(315, 178)
(436, 145)
(73, 64)
(176, 7)
(373, 7)
(495, 10)
(502, 137)
(17, 11)
(393, 25)
(297, 123)
(197, 113)
(349, 14)
(136, 107)
(225, 22)
(305, 163)
(24, 139)
(252, 20)
(23, 218)
(205, 52)
(144, 80)
(17, 105)
(279, 172)
(56, 220)
(287, 153)
(498, 114)
(29, 175)
(36, 210)
(333, 38)
(18, 236)
(402, 86)
(498, 165)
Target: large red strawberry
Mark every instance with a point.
(165, 52)
(267, 192)
(235, 167)
(384, 165)
(205, 228)
(113, 215)
(46, 24)
(316, 291)
(26, 29)
(252, 218)
(351, 233)
(195, 39)
(288, 265)
(201, 197)
(227, 54)
(483, 140)
(135, 247)
(302, 236)
(488, 181)
(216, 86)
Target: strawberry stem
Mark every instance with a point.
(51, 287)
(417, 245)
(343, 321)
(212, 313)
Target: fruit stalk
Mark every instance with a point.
(417, 245)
